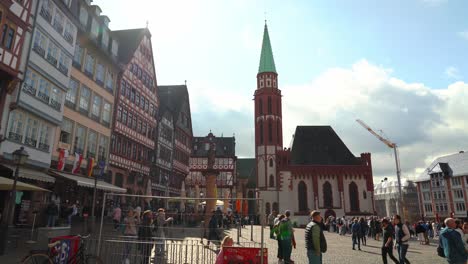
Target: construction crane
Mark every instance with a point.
(397, 159)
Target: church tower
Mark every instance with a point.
(268, 126)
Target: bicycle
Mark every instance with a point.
(49, 256)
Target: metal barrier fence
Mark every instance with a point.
(181, 243)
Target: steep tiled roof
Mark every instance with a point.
(267, 62)
(172, 96)
(129, 39)
(225, 146)
(245, 167)
(320, 145)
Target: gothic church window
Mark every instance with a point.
(270, 132)
(302, 196)
(327, 195)
(272, 181)
(271, 162)
(353, 197)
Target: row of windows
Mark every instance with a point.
(145, 77)
(182, 137)
(164, 153)
(426, 196)
(138, 99)
(8, 30)
(439, 195)
(460, 207)
(442, 207)
(428, 207)
(456, 181)
(100, 108)
(51, 52)
(93, 68)
(165, 133)
(131, 149)
(28, 130)
(58, 20)
(181, 157)
(458, 194)
(84, 140)
(135, 122)
(37, 86)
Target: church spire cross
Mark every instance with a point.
(267, 62)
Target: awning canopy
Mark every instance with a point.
(6, 184)
(89, 182)
(30, 174)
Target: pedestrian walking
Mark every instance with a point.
(364, 228)
(387, 237)
(52, 213)
(452, 243)
(356, 233)
(213, 228)
(271, 223)
(277, 222)
(116, 216)
(315, 239)
(131, 222)
(145, 234)
(286, 237)
(73, 210)
(402, 235)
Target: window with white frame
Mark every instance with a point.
(106, 113)
(56, 98)
(58, 22)
(72, 91)
(80, 136)
(64, 61)
(66, 129)
(458, 193)
(89, 64)
(92, 142)
(44, 92)
(94, 28)
(47, 9)
(52, 53)
(115, 47)
(460, 207)
(69, 32)
(15, 128)
(110, 79)
(105, 38)
(96, 109)
(78, 56)
(427, 196)
(40, 42)
(83, 16)
(456, 181)
(30, 137)
(85, 95)
(44, 137)
(102, 147)
(100, 73)
(30, 80)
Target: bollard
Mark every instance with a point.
(238, 234)
(251, 230)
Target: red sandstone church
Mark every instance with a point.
(318, 172)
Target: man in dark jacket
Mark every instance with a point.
(387, 237)
(314, 239)
(52, 213)
(213, 228)
(356, 232)
(452, 243)
(145, 234)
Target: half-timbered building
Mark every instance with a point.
(136, 110)
(318, 172)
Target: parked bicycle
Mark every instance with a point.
(53, 253)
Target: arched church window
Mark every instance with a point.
(269, 105)
(327, 195)
(271, 162)
(270, 132)
(364, 194)
(272, 181)
(260, 106)
(353, 197)
(261, 131)
(302, 196)
(267, 209)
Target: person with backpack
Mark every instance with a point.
(402, 236)
(387, 246)
(356, 233)
(315, 239)
(451, 244)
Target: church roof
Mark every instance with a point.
(320, 145)
(267, 63)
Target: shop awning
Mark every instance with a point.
(30, 174)
(6, 184)
(89, 182)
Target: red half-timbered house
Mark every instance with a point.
(15, 22)
(136, 110)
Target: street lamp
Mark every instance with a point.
(20, 156)
(96, 172)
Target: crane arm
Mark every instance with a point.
(386, 141)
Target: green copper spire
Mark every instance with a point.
(267, 63)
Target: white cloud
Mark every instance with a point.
(463, 34)
(452, 73)
(425, 123)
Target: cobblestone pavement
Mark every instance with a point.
(340, 249)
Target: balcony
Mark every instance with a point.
(63, 69)
(46, 14)
(30, 142)
(29, 89)
(39, 50)
(68, 37)
(15, 137)
(55, 104)
(52, 60)
(43, 146)
(43, 97)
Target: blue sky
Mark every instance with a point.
(398, 65)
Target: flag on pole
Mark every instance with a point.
(63, 155)
(90, 167)
(77, 163)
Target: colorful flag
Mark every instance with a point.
(90, 167)
(77, 163)
(63, 155)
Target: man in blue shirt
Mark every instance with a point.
(452, 243)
